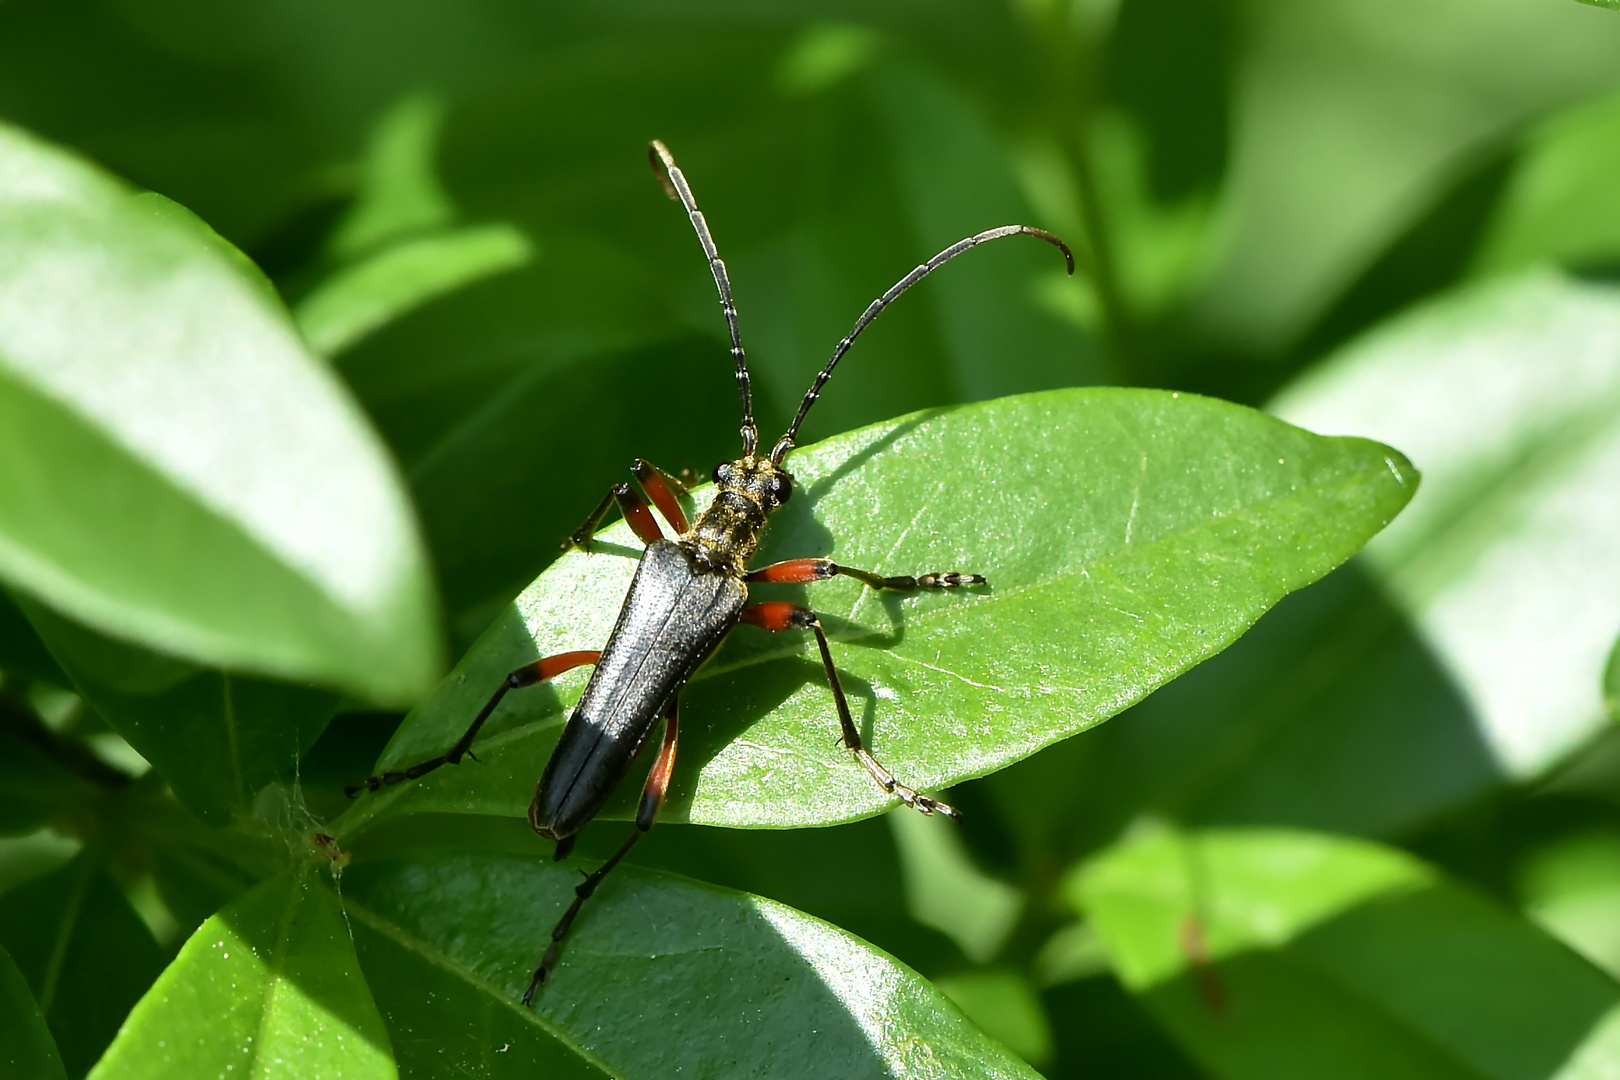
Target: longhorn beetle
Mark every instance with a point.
(687, 594)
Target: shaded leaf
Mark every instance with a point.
(1507, 396)
(358, 299)
(21, 651)
(1154, 528)
(1272, 954)
(946, 891)
(449, 940)
(1558, 204)
(269, 986)
(400, 192)
(216, 737)
(34, 786)
(1100, 1030)
(26, 1047)
(1572, 888)
(86, 955)
(1331, 154)
(178, 469)
(1611, 682)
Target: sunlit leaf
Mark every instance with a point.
(1507, 396)
(1558, 204)
(1126, 536)
(1611, 682)
(448, 942)
(177, 469)
(268, 987)
(1005, 1005)
(1572, 888)
(356, 300)
(1275, 954)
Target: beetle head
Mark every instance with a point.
(758, 478)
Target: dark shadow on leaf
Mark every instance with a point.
(449, 939)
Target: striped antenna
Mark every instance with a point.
(674, 183)
(785, 443)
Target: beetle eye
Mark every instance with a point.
(719, 474)
(781, 488)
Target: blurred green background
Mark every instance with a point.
(1251, 185)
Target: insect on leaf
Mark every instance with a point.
(1126, 535)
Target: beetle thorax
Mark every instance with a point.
(727, 534)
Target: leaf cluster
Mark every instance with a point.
(319, 328)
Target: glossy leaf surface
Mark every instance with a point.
(269, 988)
(448, 942)
(177, 468)
(26, 1046)
(1126, 536)
(1275, 953)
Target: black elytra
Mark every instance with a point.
(687, 595)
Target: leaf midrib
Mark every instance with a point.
(434, 955)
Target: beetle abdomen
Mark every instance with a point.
(674, 615)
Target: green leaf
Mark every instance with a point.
(1275, 954)
(1572, 888)
(34, 786)
(1152, 528)
(1005, 1005)
(660, 977)
(86, 955)
(1507, 395)
(21, 650)
(946, 891)
(177, 469)
(1611, 682)
(400, 191)
(1612, 4)
(1558, 204)
(216, 737)
(358, 299)
(984, 307)
(26, 1047)
(1330, 158)
(269, 987)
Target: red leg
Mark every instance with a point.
(803, 571)
(636, 515)
(777, 615)
(652, 797)
(657, 484)
(547, 667)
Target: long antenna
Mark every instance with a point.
(674, 183)
(785, 443)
